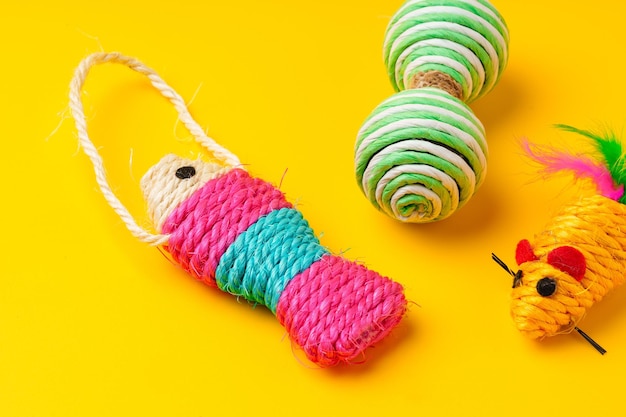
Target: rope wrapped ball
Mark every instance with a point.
(422, 154)
(462, 42)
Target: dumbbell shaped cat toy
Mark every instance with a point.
(422, 153)
(239, 233)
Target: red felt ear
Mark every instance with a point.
(568, 260)
(524, 252)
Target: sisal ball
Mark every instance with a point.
(460, 46)
(420, 155)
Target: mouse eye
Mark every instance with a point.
(185, 172)
(546, 287)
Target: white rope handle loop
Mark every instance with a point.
(76, 106)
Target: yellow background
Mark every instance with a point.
(95, 323)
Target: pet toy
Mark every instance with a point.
(422, 153)
(580, 256)
(239, 233)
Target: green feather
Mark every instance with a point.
(611, 150)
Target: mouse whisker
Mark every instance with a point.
(591, 341)
(502, 264)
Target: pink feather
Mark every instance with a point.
(581, 166)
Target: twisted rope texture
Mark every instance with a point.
(265, 257)
(203, 226)
(336, 309)
(594, 225)
(239, 233)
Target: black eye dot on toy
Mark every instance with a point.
(185, 172)
(546, 287)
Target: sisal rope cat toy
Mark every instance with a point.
(239, 233)
(422, 153)
(580, 256)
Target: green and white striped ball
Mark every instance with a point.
(465, 39)
(420, 155)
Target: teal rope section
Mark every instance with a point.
(266, 256)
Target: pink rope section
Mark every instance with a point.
(337, 308)
(208, 222)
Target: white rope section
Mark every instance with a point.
(76, 106)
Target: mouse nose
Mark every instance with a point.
(546, 286)
(517, 278)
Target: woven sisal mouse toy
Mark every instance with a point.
(580, 256)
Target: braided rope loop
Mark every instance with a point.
(91, 151)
